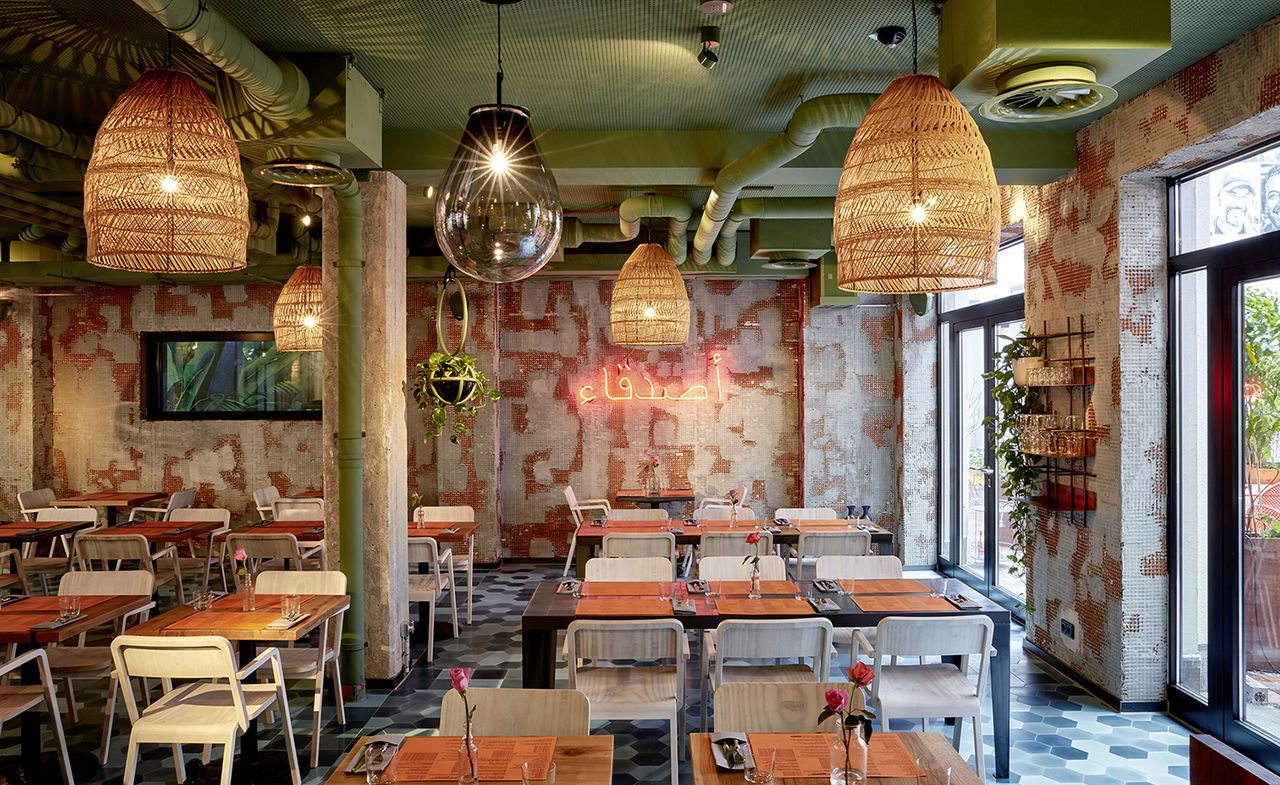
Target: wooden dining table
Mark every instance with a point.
(17, 621)
(111, 501)
(579, 760)
(305, 531)
(935, 753)
(642, 498)
(551, 610)
(248, 630)
(162, 532)
(30, 532)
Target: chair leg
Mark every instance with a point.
(59, 740)
(573, 549)
(290, 743)
(228, 759)
(179, 765)
(338, 700)
(130, 762)
(955, 733)
(702, 696)
(72, 715)
(108, 720)
(431, 630)
(317, 701)
(453, 600)
(672, 725)
(470, 584)
(979, 754)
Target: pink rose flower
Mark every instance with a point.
(753, 538)
(837, 700)
(733, 494)
(241, 555)
(461, 678)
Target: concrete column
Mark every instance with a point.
(385, 509)
(917, 469)
(27, 438)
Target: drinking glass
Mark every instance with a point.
(203, 601)
(664, 591)
(292, 604)
(375, 753)
(68, 605)
(938, 587)
(761, 770)
(524, 775)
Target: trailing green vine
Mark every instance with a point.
(451, 384)
(1019, 472)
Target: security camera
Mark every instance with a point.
(710, 42)
(889, 35)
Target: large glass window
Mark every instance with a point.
(1234, 201)
(1011, 274)
(229, 376)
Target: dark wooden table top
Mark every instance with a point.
(227, 619)
(639, 496)
(16, 618)
(588, 532)
(160, 532)
(462, 530)
(550, 610)
(35, 531)
(108, 499)
(933, 751)
(580, 760)
(305, 531)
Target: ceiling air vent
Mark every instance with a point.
(303, 168)
(1049, 91)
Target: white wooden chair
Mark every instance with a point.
(731, 568)
(33, 567)
(761, 707)
(262, 499)
(723, 501)
(631, 692)
(309, 663)
(805, 513)
(16, 699)
(459, 512)
(213, 704)
(32, 502)
(297, 510)
(837, 568)
(94, 662)
(732, 544)
(274, 551)
(215, 552)
(719, 513)
(518, 712)
(10, 574)
(641, 568)
(828, 543)
(426, 588)
(599, 508)
(101, 550)
(639, 514)
(633, 545)
(932, 689)
(177, 500)
(755, 640)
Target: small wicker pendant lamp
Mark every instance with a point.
(164, 191)
(650, 305)
(917, 208)
(297, 315)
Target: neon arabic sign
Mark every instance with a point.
(623, 389)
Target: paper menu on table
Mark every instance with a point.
(437, 758)
(888, 756)
(796, 755)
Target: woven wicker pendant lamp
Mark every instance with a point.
(164, 191)
(650, 305)
(917, 209)
(297, 315)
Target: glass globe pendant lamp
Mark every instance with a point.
(498, 215)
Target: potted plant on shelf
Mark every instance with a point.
(1020, 473)
(1028, 355)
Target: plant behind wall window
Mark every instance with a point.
(1019, 472)
(449, 381)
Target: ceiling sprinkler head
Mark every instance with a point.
(715, 7)
(707, 55)
(889, 35)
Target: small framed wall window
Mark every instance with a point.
(228, 376)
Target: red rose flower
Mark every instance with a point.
(753, 538)
(862, 674)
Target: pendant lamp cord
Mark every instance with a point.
(499, 74)
(915, 41)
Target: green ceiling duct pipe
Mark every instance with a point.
(29, 208)
(746, 209)
(630, 213)
(27, 160)
(350, 424)
(32, 233)
(72, 243)
(44, 133)
(274, 86)
(844, 110)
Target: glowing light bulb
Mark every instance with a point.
(498, 161)
(649, 313)
(306, 219)
(310, 322)
(169, 184)
(431, 192)
(917, 213)
(497, 252)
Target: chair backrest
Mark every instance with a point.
(261, 547)
(68, 514)
(639, 514)
(263, 499)
(33, 500)
(97, 551)
(121, 582)
(858, 567)
(298, 509)
(294, 582)
(732, 544)
(446, 513)
(570, 497)
(731, 568)
(758, 639)
(576, 508)
(201, 515)
(632, 545)
(835, 543)
(195, 658)
(517, 712)
(954, 636)
(805, 513)
(764, 707)
(723, 513)
(721, 500)
(651, 639)
(180, 500)
(648, 568)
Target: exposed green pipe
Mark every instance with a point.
(274, 86)
(811, 118)
(630, 213)
(44, 133)
(350, 426)
(746, 209)
(38, 164)
(32, 233)
(37, 210)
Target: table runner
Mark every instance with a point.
(263, 602)
(646, 589)
(438, 758)
(226, 620)
(623, 607)
(902, 603)
(799, 755)
(885, 586)
(769, 606)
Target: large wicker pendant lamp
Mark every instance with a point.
(297, 316)
(650, 305)
(164, 191)
(917, 209)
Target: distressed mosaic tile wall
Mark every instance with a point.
(1096, 247)
(101, 442)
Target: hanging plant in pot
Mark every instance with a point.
(449, 383)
